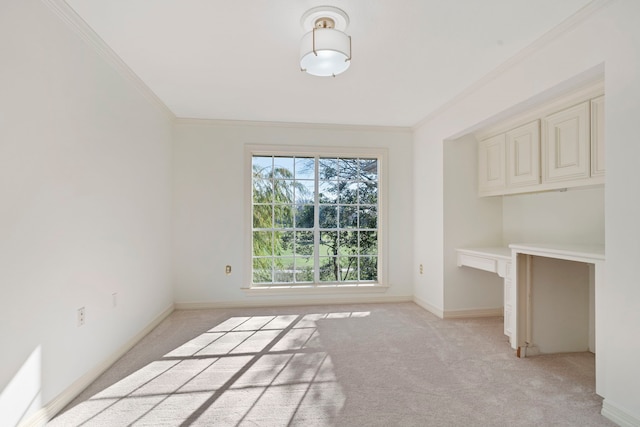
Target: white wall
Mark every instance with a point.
(84, 208)
(609, 36)
(210, 203)
(428, 219)
(469, 221)
(574, 216)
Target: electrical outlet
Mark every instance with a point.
(81, 316)
(227, 270)
(421, 269)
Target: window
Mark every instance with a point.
(315, 219)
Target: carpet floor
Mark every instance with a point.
(338, 365)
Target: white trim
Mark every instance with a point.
(564, 27)
(290, 125)
(459, 314)
(51, 409)
(281, 302)
(314, 289)
(430, 308)
(86, 33)
(619, 416)
(476, 312)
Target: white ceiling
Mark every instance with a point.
(238, 59)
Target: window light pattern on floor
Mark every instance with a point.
(233, 374)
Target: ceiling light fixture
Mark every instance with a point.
(325, 51)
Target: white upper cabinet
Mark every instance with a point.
(523, 155)
(566, 145)
(597, 136)
(557, 145)
(491, 165)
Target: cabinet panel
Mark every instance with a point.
(523, 155)
(597, 136)
(566, 144)
(491, 165)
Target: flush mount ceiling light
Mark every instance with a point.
(325, 50)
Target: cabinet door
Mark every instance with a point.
(566, 144)
(597, 136)
(523, 155)
(491, 164)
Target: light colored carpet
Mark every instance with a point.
(339, 365)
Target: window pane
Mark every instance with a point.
(283, 243)
(329, 269)
(304, 216)
(368, 268)
(348, 243)
(348, 217)
(283, 167)
(283, 216)
(304, 243)
(328, 169)
(328, 217)
(328, 243)
(262, 270)
(263, 243)
(304, 192)
(348, 169)
(262, 217)
(304, 270)
(305, 168)
(328, 192)
(368, 193)
(348, 193)
(368, 217)
(348, 268)
(262, 167)
(282, 191)
(368, 242)
(262, 191)
(284, 269)
(369, 169)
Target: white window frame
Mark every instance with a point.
(380, 154)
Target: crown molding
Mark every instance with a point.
(564, 27)
(86, 33)
(291, 125)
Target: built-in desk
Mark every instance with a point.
(495, 260)
(517, 299)
(551, 295)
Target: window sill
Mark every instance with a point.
(314, 290)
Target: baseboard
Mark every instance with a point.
(619, 416)
(458, 314)
(249, 303)
(430, 308)
(479, 312)
(51, 409)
